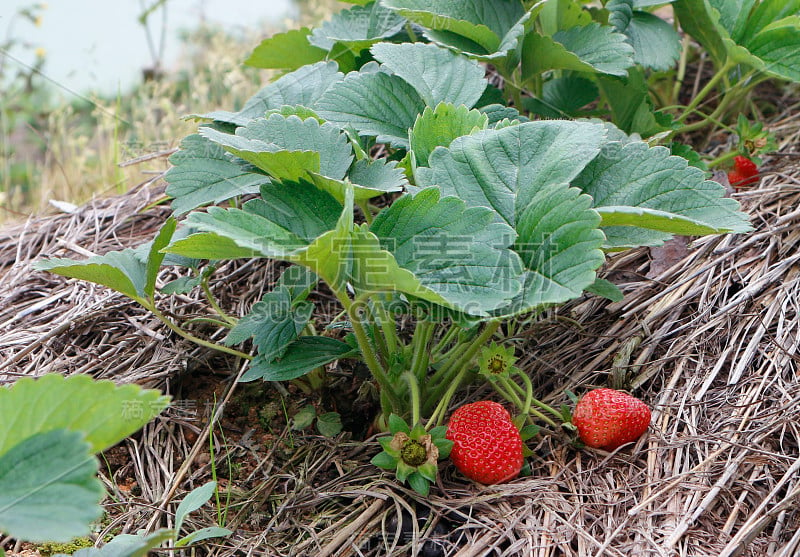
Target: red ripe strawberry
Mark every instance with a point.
(487, 446)
(607, 419)
(744, 173)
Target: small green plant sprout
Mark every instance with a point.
(413, 453)
(329, 424)
(193, 501)
(141, 543)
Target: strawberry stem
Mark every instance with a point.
(413, 387)
(459, 365)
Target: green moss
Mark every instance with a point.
(51, 548)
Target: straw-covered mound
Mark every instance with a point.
(710, 343)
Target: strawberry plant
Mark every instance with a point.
(385, 165)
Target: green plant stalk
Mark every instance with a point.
(460, 365)
(189, 336)
(364, 206)
(413, 386)
(210, 320)
(213, 302)
(536, 402)
(370, 357)
(722, 159)
(705, 91)
(681, 74)
(528, 392)
(222, 513)
(213, 464)
(420, 359)
(380, 342)
(507, 392)
(445, 371)
(386, 325)
(438, 414)
(438, 350)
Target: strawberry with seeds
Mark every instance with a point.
(607, 419)
(487, 446)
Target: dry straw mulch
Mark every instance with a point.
(710, 343)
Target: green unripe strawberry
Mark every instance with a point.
(607, 419)
(487, 446)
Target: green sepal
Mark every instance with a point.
(418, 431)
(438, 432)
(404, 471)
(566, 413)
(398, 424)
(384, 460)
(419, 483)
(529, 431)
(444, 446)
(428, 471)
(386, 444)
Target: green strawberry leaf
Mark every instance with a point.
(440, 126)
(273, 323)
(302, 356)
(655, 42)
(699, 19)
(303, 87)
(559, 243)
(105, 413)
(460, 254)
(592, 48)
(778, 46)
(203, 173)
(304, 417)
(605, 289)
(131, 271)
(563, 97)
(631, 106)
(122, 271)
(287, 148)
(374, 104)
(437, 74)
(329, 424)
(742, 21)
(298, 280)
(633, 175)
(48, 487)
(485, 29)
(357, 28)
(286, 51)
(502, 169)
(367, 179)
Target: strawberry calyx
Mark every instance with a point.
(413, 453)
